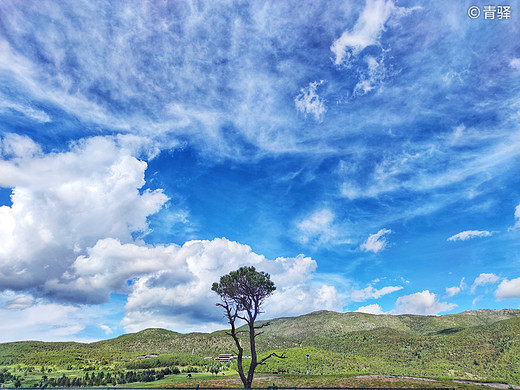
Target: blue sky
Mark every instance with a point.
(364, 153)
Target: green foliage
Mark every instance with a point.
(214, 368)
(245, 288)
(167, 361)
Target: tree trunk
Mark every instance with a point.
(254, 362)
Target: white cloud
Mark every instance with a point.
(423, 303)
(515, 63)
(20, 302)
(451, 291)
(370, 309)
(371, 293)
(366, 31)
(302, 299)
(373, 78)
(106, 329)
(170, 286)
(18, 146)
(517, 218)
(508, 289)
(482, 280)
(32, 113)
(469, 234)
(70, 236)
(35, 319)
(476, 299)
(64, 202)
(126, 83)
(309, 102)
(320, 228)
(376, 242)
(107, 268)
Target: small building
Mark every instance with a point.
(224, 357)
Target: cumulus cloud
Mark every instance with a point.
(370, 309)
(372, 293)
(469, 234)
(309, 102)
(72, 234)
(64, 202)
(179, 296)
(451, 291)
(303, 299)
(423, 303)
(35, 319)
(508, 289)
(365, 32)
(376, 242)
(483, 280)
(18, 146)
(169, 286)
(420, 303)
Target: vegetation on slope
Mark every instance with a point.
(480, 345)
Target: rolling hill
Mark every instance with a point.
(482, 345)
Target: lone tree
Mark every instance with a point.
(242, 292)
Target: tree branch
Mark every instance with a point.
(271, 355)
(267, 323)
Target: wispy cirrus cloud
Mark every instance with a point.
(483, 280)
(365, 32)
(376, 242)
(308, 102)
(372, 293)
(321, 227)
(469, 234)
(452, 291)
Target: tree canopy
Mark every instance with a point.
(245, 288)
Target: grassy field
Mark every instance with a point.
(482, 346)
(230, 379)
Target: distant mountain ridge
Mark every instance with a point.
(284, 332)
(333, 324)
(481, 344)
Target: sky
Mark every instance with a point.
(364, 153)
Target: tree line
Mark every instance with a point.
(102, 379)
